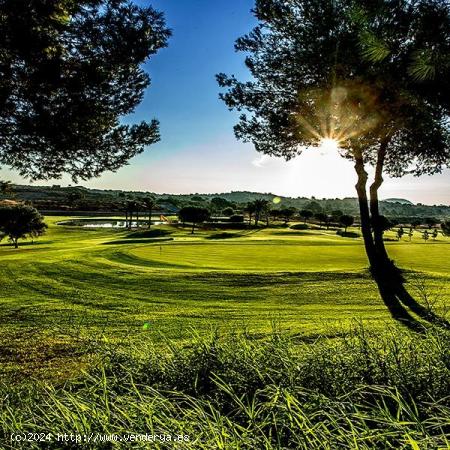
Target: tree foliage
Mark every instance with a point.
(69, 70)
(19, 222)
(194, 215)
(445, 227)
(374, 77)
(347, 221)
(314, 78)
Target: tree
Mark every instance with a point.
(266, 211)
(150, 204)
(431, 222)
(250, 210)
(321, 217)
(6, 188)
(306, 214)
(219, 203)
(228, 212)
(21, 221)
(425, 235)
(74, 196)
(314, 207)
(400, 233)
(445, 227)
(434, 234)
(287, 214)
(260, 205)
(372, 78)
(194, 215)
(346, 221)
(336, 214)
(130, 206)
(69, 71)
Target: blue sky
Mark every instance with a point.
(198, 151)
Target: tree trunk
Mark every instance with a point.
(16, 243)
(364, 208)
(193, 226)
(149, 218)
(387, 276)
(374, 205)
(385, 288)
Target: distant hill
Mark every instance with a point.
(403, 201)
(79, 198)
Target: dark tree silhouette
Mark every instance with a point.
(321, 217)
(260, 206)
(372, 76)
(19, 222)
(69, 70)
(194, 215)
(250, 210)
(287, 214)
(445, 227)
(219, 203)
(306, 214)
(150, 204)
(228, 212)
(6, 188)
(346, 221)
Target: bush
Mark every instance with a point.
(349, 234)
(237, 218)
(299, 226)
(382, 390)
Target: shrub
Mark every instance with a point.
(299, 226)
(382, 390)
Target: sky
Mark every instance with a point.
(198, 152)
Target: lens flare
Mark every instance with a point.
(329, 144)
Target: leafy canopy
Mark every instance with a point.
(360, 72)
(69, 70)
(21, 221)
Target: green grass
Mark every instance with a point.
(82, 282)
(241, 340)
(363, 391)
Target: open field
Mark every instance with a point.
(77, 283)
(272, 338)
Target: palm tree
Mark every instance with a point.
(138, 205)
(129, 208)
(259, 204)
(250, 209)
(150, 203)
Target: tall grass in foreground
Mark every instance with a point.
(359, 391)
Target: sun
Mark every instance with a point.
(329, 144)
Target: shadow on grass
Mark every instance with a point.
(152, 233)
(137, 241)
(26, 244)
(224, 235)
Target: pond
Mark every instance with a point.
(101, 223)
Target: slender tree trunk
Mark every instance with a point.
(364, 208)
(374, 205)
(193, 226)
(149, 218)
